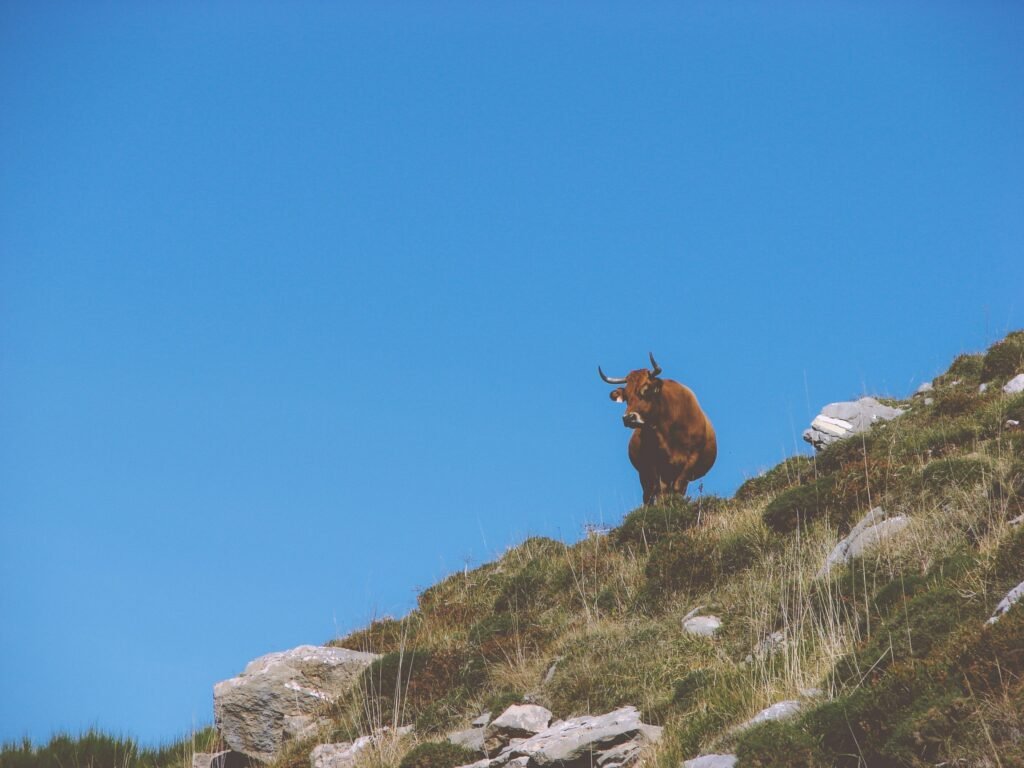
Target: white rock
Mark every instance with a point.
(838, 421)
(705, 626)
(926, 387)
(341, 755)
(982, 388)
(1013, 596)
(517, 722)
(1014, 385)
(613, 739)
(482, 720)
(711, 761)
(473, 738)
(872, 529)
(782, 710)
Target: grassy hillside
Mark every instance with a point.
(909, 673)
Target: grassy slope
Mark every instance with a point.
(895, 640)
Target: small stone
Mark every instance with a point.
(705, 626)
(982, 388)
(1014, 385)
(929, 400)
(1012, 424)
(481, 721)
(926, 387)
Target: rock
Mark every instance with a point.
(520, 721)
(982, 388)
(711, 761)
(781, 710)
(1012, 424)
(1014, 385)
(705, 626)
(606, 741)
(929, 401)
(473, 739)
(481, 721)
(873, 528)
(225, 759)
(1013, 596)
(281, 696)
(338, 755)
(926, 387)
(838, 421)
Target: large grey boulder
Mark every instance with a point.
(281, 696)
(520, 721)
(875, 527)
(1012, 597)
(837, 421)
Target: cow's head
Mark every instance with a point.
(641, 394)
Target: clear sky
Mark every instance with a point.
(301, 303)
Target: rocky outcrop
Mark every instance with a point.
(280, 696)
(838, 421)
(1013, 596)
(613, 740)
(876, 526)
(520, 721)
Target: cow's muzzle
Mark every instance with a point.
(632, 420)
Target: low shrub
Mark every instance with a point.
(687, 560)
(1004, 359)
(778, 745)
(382, 636)
(439, 754)
(965, 368)
(960, 472)
(649, 524)
(799, 506)
(687, 690)
(796, 470)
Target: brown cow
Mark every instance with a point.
(673, 442)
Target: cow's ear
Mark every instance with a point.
(655, 386)
(618, 395)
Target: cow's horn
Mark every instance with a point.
(655, 368)
(609, 379)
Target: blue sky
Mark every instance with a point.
(301, 304)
